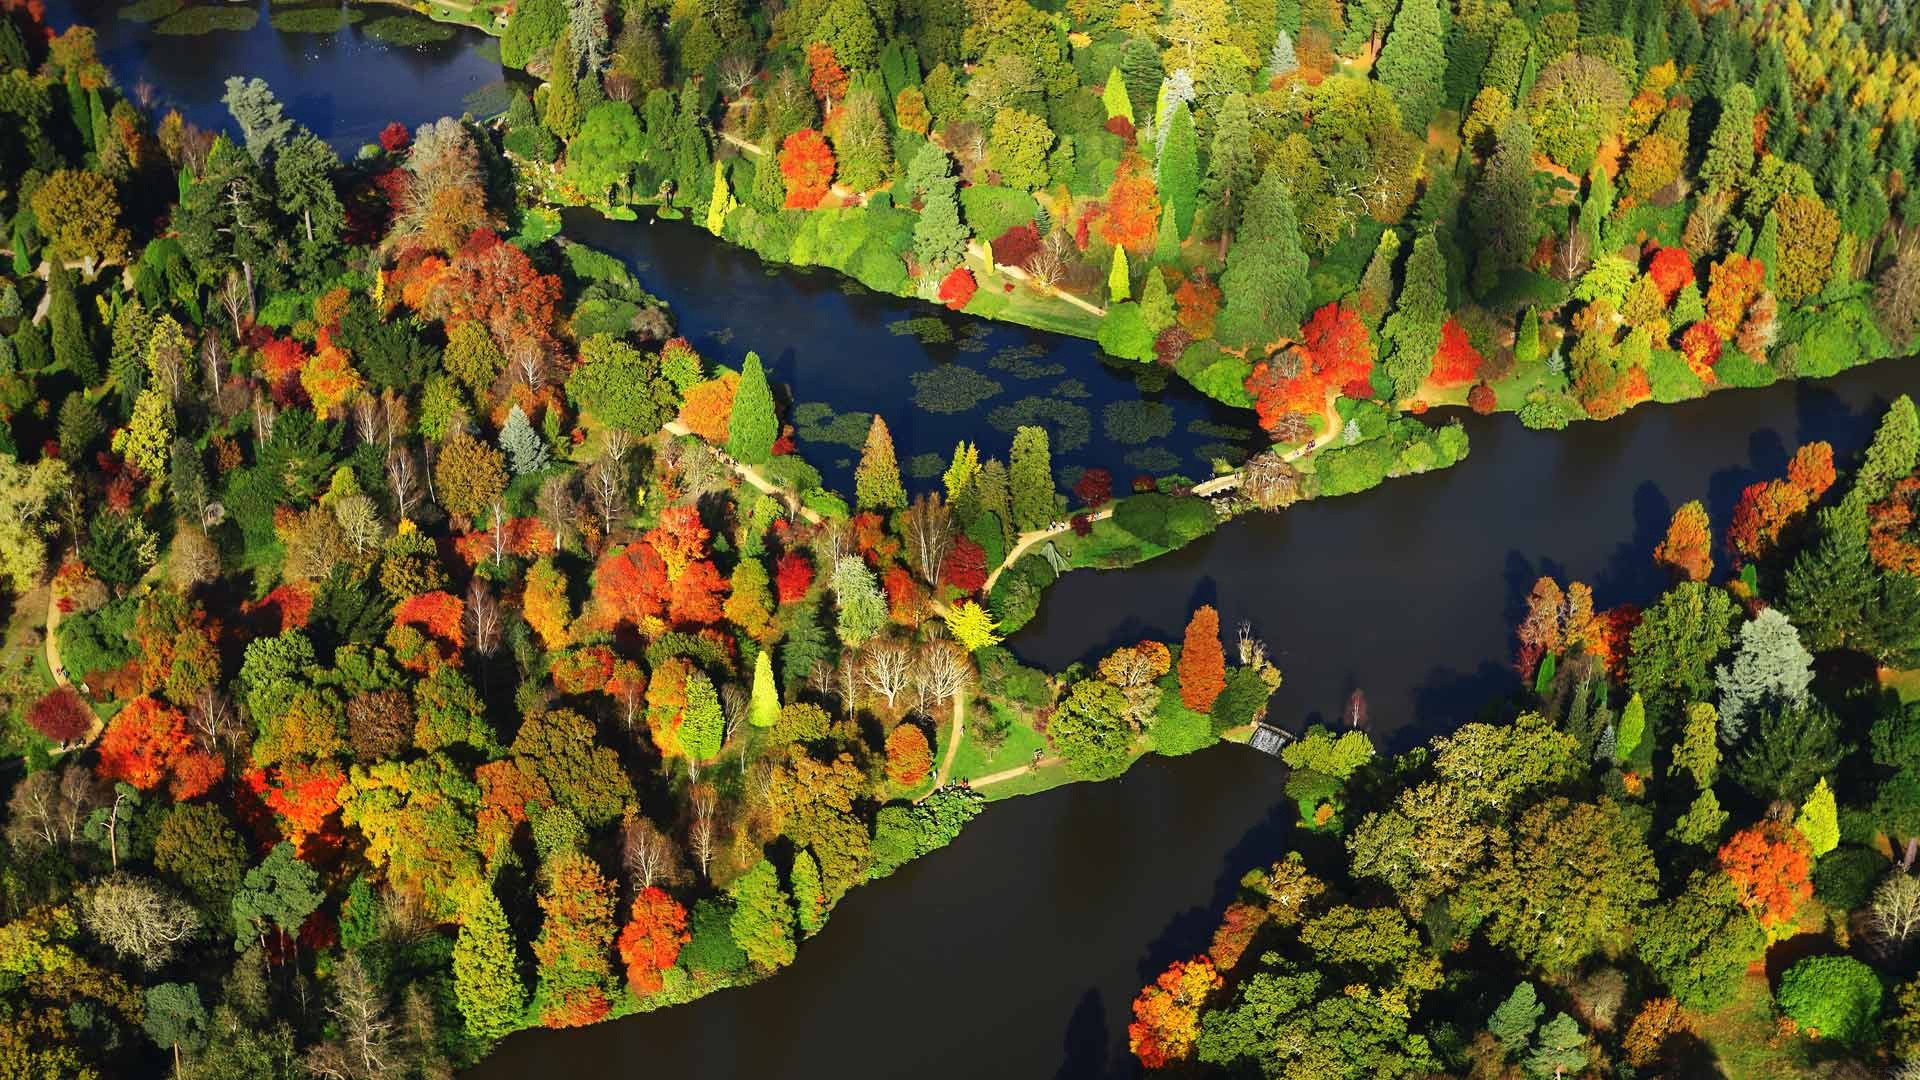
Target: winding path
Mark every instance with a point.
(751, 474)
(953, 745)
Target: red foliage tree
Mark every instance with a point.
(966, 567)
(1094, 487)
(1338, 348)
(1239, 924)
(1015, 246)
(1196, 303)
(906, 598)
(650, 942)
(825, 75)
(1671, 270)
(1700, 344)
(806, 161)
(281, 361)
(494, 283)
(1203, 665)
(1770, 867)
(631, 585)
(1481, 399)
(792, 577)
(957, 288)
(61, 715)
(1456, 361)
(1768, 509)
(1122, 127)
(395, 137)
(305, 797)
(908, 755)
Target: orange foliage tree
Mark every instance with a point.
(825, 75)
(1132, 217)
(1687, 549)
(792, 577)
(147, 742)
(957, 288)
(1203, 666)
(908, 755)
(650, 942)
(1671, 271)
(708, 407)
(1166, 1015)
(573, 941)
(806, 163)
(437, 614)
(1735, 281)
(1769, 508)
(1770, 866)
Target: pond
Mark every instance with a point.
(1017, 950)
(845, 353)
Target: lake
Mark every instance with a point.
(1017, 950)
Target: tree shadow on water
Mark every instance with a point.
(1188, 932)
(1630, 573)
(1516, 580)
(1447, 698)
(1089, 1044)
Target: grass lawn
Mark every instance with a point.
(975, 760)
(1904, 683)
(1741, 1037)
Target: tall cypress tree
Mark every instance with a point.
(1413, 62)
(1031, 476)
(876, 482)
(1504, 202)
(1230, 167)
(752, 428)
(764, 708)
(1413, 330)
(71, 349)
(486, 983)
(1265, 283)
(1178, 168)
(1729, 159)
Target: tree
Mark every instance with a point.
(860, 606)
(1092, 732)
(174, 1018)
(1698, 752)
(1770, 670)
(1809, 233)
(468, 475)
(1119, 281)
(1230, 166)
(531, 31)
(1178, 168)
(650, 942)
(610, 144)
(28, 494)
(278, 893)
(1504, 202)
(1203, 666)
(763, 917)
(1687, 550)
(1674, 646)
(79, 212)
(1571, 880)
(1894, 452)
(1790, 751)
(1729, 158)
(303, 179)
(61, 715)
(1819, 820)
(1031, 474)
(1833, 998)
(972, 626)
(752, 427)
(1412, 332)
(1166, 1014)
(1017, 148)
(806, 164)
(137, 919)
(525, 450)
(1769, 867)
(764, 708)
(939, 236)
(877, 478)
(263, 124)
(1833, 593)
(1700, 943)
(909, 757)
(72, 345)
(486, 983)
(1413, 61)
(1265, 282)
(702, 723)
(574, 942)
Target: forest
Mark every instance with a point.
(1686, 849)
(1298, 206)
(410, 640)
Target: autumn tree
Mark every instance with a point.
(1687, 550)
(651, 940)
(806, 164)
(877, 478)
(1770, 869)
(60, 715)
(469, 475)
(574, 942)
(1166, 1014)
(1203, 666)
(79, 212)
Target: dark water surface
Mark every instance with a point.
(1014, 953)
(344, 87)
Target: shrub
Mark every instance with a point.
(1834, 997)
(1844, 879)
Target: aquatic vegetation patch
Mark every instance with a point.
(1069, 426)
(816, 421)
(1019, 361)
(206, 20)
(146, 11)
(404, 30)
(315, 20)
(1136, 422)
(926, 466)
(952, 388)
(927, 329)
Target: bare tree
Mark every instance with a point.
(139, 919)
(364, 1048)
(403, 479)
(736, 73)
(649, 855)
(734, 703)
(1895, 909)
(49, 808)
(941, 671)
(370, 419)
(483, 618)
(704, 831)
(886, 668)
(499, 533)
(615, 443)
(214, 722)
(236, 293)
(607, 487)
(929, 534)
(558, 509)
